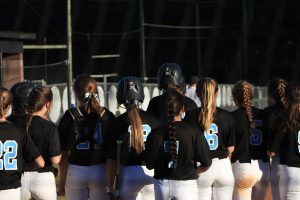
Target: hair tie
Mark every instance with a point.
(87, 95)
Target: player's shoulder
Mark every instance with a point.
(189, 103)
(43, 122)
(148, 117)
(222, 113)
(155, 99)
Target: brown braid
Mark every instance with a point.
(242, 94)
(37, 99)
(276, 89)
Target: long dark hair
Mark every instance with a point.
(6, 99)
(85, 88)
(242, 93)
(173, 103)
(38, 97)
(276, 89)
(293, 107)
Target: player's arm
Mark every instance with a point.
(202, 152)
(56, 159)
(230, 151)
(63, 166)
(39, 162)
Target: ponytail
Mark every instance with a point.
(242, 94)
(137, 136)
(206, 91)
(85, 88)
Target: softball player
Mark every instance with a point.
(277, 105)
(218, 127)
(82, 169)
(251, 167)
(169, 76)
(40, 183)
(15, 147)
(20, 92)
(285, 142)
(132, 127)
(173, 151)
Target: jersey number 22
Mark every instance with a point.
(8, 154)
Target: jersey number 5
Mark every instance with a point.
(8, 154)
(212, 137)
(256, 134)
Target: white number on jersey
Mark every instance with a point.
(8, 154)
(256, 134)
(212, 137)
(146, 130)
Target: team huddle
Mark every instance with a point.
(175, 150)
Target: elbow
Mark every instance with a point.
(40, 162)
(55, 160)
(230, 149)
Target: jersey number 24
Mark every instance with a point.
(8, 154)
(212, 137)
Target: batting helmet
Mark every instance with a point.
(20, 92)
(170, 73)
(130, 92)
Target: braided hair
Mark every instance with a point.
(37, 99)
(173, 104)
(276, 89)
(5, 100)
(293, 109)
(242, 94)
(206, 90)
(85, 88)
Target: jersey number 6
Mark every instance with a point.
(8, 153)
(212, 137)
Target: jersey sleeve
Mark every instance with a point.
(67, 139)
(54, 143)
(30, 151)
(230, 135)
(202, 152)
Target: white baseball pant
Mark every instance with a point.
(11, 194)
(173, 189)
(260, 189)
(290, 186)
(85, 182)
(276, 184)
(136, 183)
(39, 186)
(247, 175)
(217, 180)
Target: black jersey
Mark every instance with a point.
(84, 153)
(155, 105)
(270, 116)
(221, 134)
(250, 144)
(18, 120)
(286, 144)
(191, 146)
(15, 147)
(45, 136)
(120, 130)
